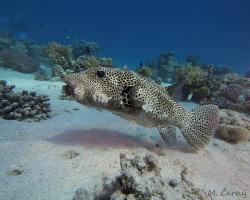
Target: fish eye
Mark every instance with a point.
(100, 74)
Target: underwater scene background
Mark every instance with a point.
(195, 53)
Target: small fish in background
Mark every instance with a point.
(135, 98)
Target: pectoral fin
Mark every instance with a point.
(168, 134)
(128, 98)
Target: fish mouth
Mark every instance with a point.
(69, 88)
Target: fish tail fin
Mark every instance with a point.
(200, 124)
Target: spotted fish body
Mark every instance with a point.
(133, 97)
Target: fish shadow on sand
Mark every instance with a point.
(106, 139)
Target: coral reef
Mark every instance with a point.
(44, 73)
(234, 127)
(200, 93)
(62, 60)
(233, 93)
(144, 71)
(194, 76)
(193, 59)
(164, 67)
(230, 117)
(85, 62)
(35, 50)
(201, 82)
(19, 61)
(6, 40)
(28, 47)
(232, 133)
(82, 47)
(247, 74)
(59, 54)
(229, 90)
(140, 179)
(222, 70)
(167, 65)
(26, 56)
(22, 105)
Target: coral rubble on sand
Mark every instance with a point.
(140, 179)
(22, 105)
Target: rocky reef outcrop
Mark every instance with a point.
(21, 55)
(18, 61)
(22, 105)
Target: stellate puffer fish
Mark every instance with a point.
(135, 98)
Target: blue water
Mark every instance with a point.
(135, 31)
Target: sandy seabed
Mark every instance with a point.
(78, 146)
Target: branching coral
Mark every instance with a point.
(60, 58)
(144, 71)
(193, 59)
(59, 54)
(63, 62)
(86, 62)
(194, 77)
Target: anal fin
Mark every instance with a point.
(168, 134)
